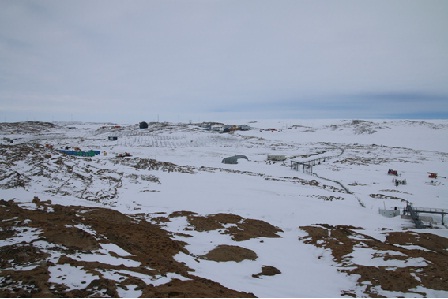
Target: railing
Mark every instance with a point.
(430, 210)
(414, 211)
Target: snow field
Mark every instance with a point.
(257, 190)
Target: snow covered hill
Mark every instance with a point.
(307, 226)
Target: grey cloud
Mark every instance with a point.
(193, 57)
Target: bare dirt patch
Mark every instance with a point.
(343, 240)
(241, 228)
(60, 236)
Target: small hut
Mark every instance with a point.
(143, 125)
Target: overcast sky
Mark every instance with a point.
(128, 61)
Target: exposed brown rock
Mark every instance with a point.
(267, 271)
(230, 253)
(341, 240)
(73, 231)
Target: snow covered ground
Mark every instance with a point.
(348, 187)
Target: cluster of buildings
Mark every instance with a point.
(222, 128)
